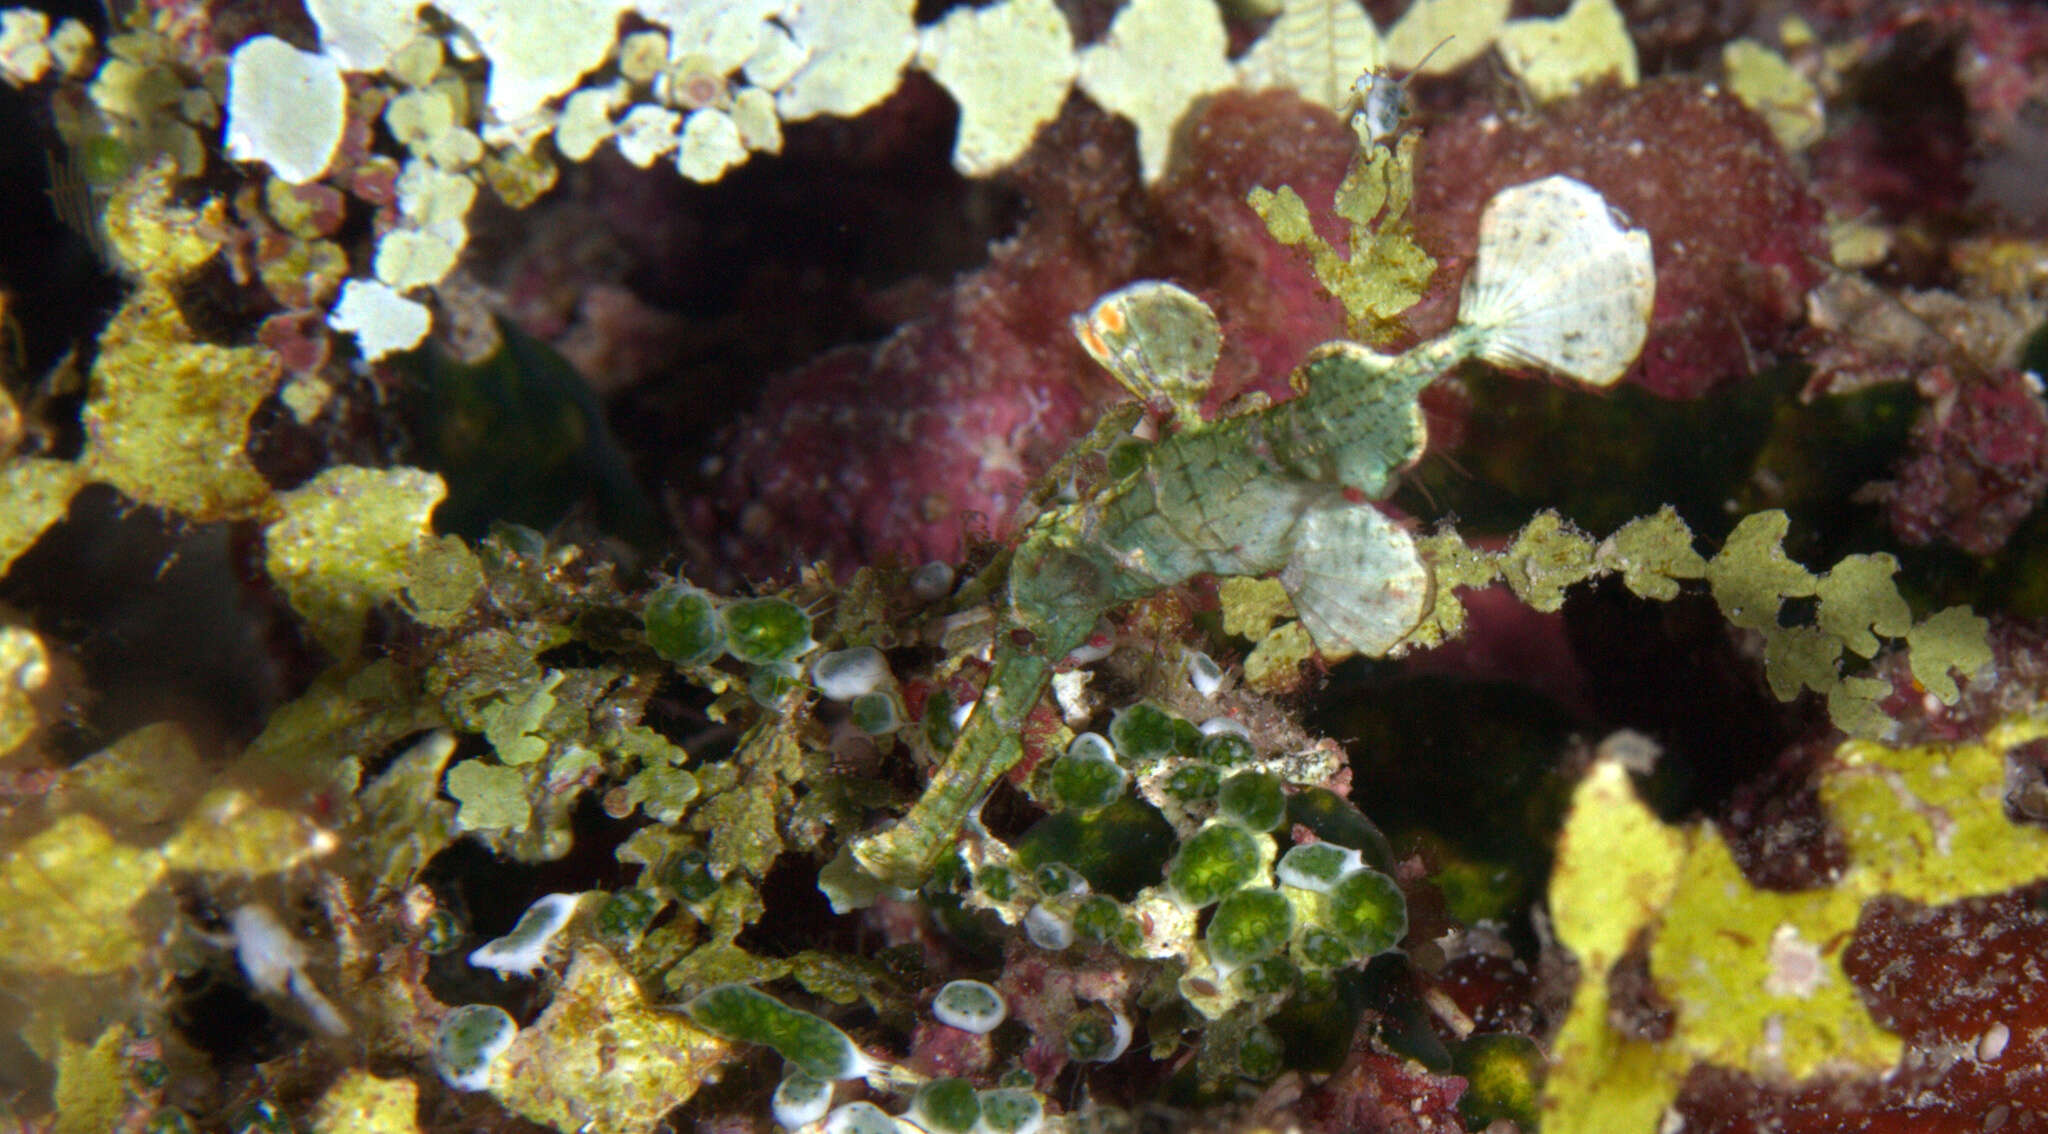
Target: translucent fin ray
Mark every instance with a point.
(1356, 579)
(1562, 282)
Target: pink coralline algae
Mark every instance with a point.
(1978, 463)
(1737, 238)
(1382, 1092)
(909, 448)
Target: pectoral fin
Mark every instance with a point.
(1356, 579)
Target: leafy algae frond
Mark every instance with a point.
(1750, 578)
(1382, 271)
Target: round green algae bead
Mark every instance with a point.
(1214, 861)
(769, 684)
(1085, 779)
(970, 1006)
(875, 714)
(1504, 1073)
(1315, 866)
(1144, 732)
(689, 876)
(1319, 948)
(764, 631)
(843, 675)
(1367, 910)
(1269, 977)
(1011, 1110)
(442, 933)
(800, 1099)
(1259, 1054)
(1253, 799)
(683, 626)
(1095, 1036)
(1249, 925)
(1194, 783)
(627, 914)
(947, 1106)
(1097, 918)
(469, 1040)
(1226, 749)
(1056, 878)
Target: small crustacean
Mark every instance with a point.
(1378, 101)
(1561, 283)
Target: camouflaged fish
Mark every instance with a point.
(1561, 283)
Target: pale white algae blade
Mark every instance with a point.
(286, 108)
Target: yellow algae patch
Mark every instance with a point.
(38, 491)
(352, 538)
(1616, 867)
(1469, 25)
(65, 896)
(361, 1103)
(1556, 58)
(147, 777)
(1772, 87)
(228, 832)
(1755, 976)
(92, 1083)
(169, 415)
(601, 1058)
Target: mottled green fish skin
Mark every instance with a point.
(1221, 498)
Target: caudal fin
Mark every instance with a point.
(1561, 282)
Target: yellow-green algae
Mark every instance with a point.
(25, 674)
(1754, 975)
(1252, 605)
(1383, 271)
(167, 422)
(353, 538)
(1557, 57)
(168, 417)
(72, 890)
(1750, 578)
(92, 1088)
(68, 891)
(362, 1103)
(38, 491)
(147, 777)
(1772, 87)
(601, 1058)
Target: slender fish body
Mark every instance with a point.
(1286, 489)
